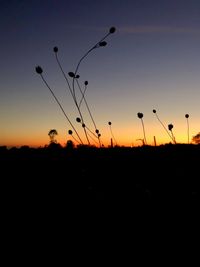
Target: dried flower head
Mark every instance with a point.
(112, 30)
(78, 119)
(170, 126)
(38, 69)
(71, 74)
(97, 131)
(187, 116)
(86, 82)
(55, 49)
(104, 43)
(154, 111)
(70, 132)
(140, 115)
(109, 123)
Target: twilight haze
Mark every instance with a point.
(152, 61)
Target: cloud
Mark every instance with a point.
(157, 29)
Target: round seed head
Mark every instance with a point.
(140, 115)
(112, 30)
(70, 132)
(55, 49)
(170, 127)
(38, 69)
(104, 43)
(71, 74)
(78, 119)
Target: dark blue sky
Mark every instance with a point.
(152, 61)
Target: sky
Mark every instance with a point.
(152, 61)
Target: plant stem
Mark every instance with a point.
(145, 141)
(58, 102)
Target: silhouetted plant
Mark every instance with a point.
(52, 133)
(170, 127)
(140, 116)
(100, 43)
(39, 70)
(188, 129)
(155, 112)
(112, 135)
(74, 75)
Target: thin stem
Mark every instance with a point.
(84, 56)
(83, 97)
(75, 139)
(61, 108)
(112, 135)
(61, 68)
(93, 139)
(164, 127)
(145, 141)
(188, 133)
(173, 137)
(72, 93)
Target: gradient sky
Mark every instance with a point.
(151, 62)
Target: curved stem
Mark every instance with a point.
(84, 56)
(61, 107)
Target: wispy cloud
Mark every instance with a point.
(157, 29)
(88, 28)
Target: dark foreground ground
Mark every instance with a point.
(51, 197)
(167, 175)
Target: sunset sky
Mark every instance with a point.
(152, 61)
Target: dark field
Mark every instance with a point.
(49, 193)
(167, 175)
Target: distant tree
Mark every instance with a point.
(52, 133)
(196, 138)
